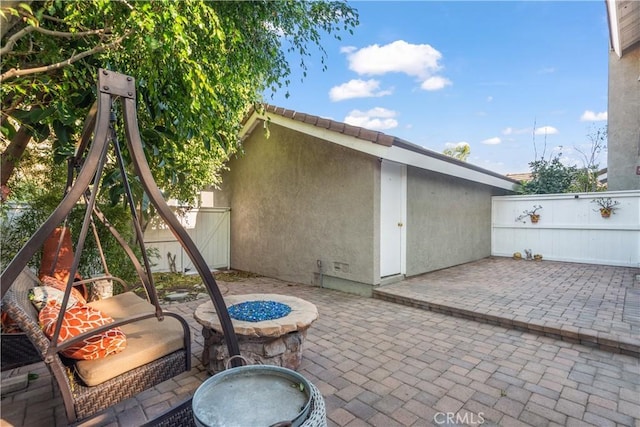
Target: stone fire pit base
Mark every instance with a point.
(285, 351)
(270, 342)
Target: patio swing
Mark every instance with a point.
(157, 342)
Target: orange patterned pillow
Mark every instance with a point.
(59, 284)
(79, 319)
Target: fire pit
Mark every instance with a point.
(271, 329)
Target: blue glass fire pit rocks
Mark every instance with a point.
(257, 311)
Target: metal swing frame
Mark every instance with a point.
(89, 161)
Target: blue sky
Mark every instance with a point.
(482, 73)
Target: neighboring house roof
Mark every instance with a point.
(521, 177)
(624, 24)
(528, 176)
(375, 143)
(602, 176)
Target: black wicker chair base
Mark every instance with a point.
(17, 351)
(179, 416)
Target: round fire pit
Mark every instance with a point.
(258, 311)
(270, 328)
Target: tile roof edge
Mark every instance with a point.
(325, 123)
(369, 135)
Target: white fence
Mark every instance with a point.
(570, 228)
(210, 230)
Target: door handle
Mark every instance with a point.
(400, 224)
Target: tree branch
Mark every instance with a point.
(12, 154)
(17, 36)
(53, 18)
(17, 73)
(14, 39)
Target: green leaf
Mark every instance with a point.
(26, 7)
(21, 115)
(62, 133)
(40, 131)
(8, 130)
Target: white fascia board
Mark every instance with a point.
(392, 153)
(250, 125)
(422, 161)
(614, 26)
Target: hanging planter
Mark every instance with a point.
(534, 217)
(607, 206)
(605, 213)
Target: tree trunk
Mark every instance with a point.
(9, 21)
(14, 151)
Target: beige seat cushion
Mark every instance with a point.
(123, 305)
(147, 340)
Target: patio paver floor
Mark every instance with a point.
(381, 364)
(582, 303)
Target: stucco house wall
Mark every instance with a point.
(308, 205)
(623, 158)
(448, 221)
(296, 199)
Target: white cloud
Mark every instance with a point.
(546, 130)
(416, 60)
(489, 98)
(435, 83)
(590, 116)
(492, 141)
(377, 118)
(357, 89)
(348, 49)
(547, 70)
(507, 131)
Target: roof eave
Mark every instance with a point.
(399, 151)
(614, 27)
(624, 25)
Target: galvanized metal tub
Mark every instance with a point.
(256, 395)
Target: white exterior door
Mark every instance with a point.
(393, 190)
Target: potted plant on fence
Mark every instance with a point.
(532, 214)
(607, 206)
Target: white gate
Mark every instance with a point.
(209, 228)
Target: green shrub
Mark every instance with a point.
(20, 221)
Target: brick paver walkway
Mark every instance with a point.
(382, 364)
